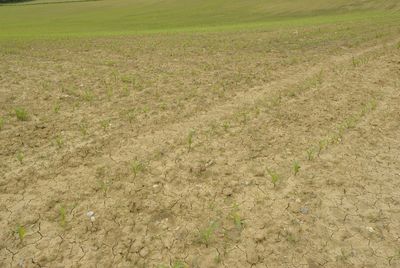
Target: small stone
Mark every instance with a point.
(90, 214)
(92, 219)
(252, 256)
(304, 210)
(370, 229)
(259, 236)
(228, 191)
(144, 252)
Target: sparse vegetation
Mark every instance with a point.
(155, 117)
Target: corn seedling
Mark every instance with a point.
(59, 142)
(1, 123)
(83, 128)
(275, 178)
(190, 139)
(105, 124)
(322, 144)
(20, 157)
(63, 217)
(137, 167)
(56, 108)
(21, 232)
(21, 114)
(205, 235)
(296, 167)
(235, 216)
(178, 264)
(359, 62)
(290, 238)
(104, 185)
(226, 126)
(88, 96)
(126, 91)
(310, 154)
(395, 256)
(131, 114)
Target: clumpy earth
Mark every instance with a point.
(275, 148)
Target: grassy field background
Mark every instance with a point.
(114, 17)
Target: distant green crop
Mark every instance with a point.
(127, 17)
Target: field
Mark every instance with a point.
(200, 133)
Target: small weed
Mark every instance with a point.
(205, 235)
(398, 45)
(190, 139)
(21, 232)
(22, 114)
(275, 178)
(296, 167)
(20, 157)
(137, 167)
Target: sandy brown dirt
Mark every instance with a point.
(184, 148)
